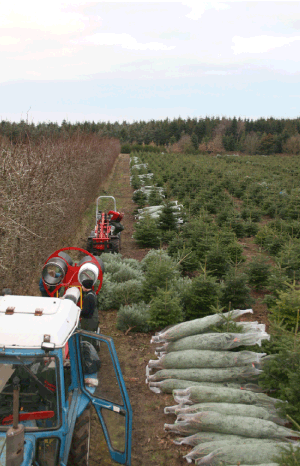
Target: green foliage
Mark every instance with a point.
(287, 306)
(146, 148)
(217, 261)
(147, 233)
(167, 236)
(125, 148)
(140, 198)
(167, 220)
(113, 294)
(250, 229)
(155, 197)
(269, 134)
(202, 295)
(289, 258)
(224, 215)
(229, 143)
(281, 374)
(238, 226)
(111, 262)
(258, 273)
(195, 142)
(135, 183)
(277, 281)
(250, 215)
(153, 256)
(161, 272)
(133, 263)
(122, 282)
(125, 273)
(185, 255)
(235, 252)
(288, 456)
(181, 285)
(235, 292)
(165, 309)
(269, 239)
(134, 318)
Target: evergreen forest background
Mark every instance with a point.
(209, 134)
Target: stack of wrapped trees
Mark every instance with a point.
(221, 411)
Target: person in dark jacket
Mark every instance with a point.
(89, 311)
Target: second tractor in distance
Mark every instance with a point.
(106, 237)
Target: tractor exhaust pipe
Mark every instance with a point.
(15, 434)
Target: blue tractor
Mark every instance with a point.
(54, 376)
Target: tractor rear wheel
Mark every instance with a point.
(89, 246)
(80, 446)
(115, 245)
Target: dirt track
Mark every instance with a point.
(151, 446)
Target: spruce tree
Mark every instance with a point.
(146, 233)
(202, 295)
(281, 374)
(165, 309)
(167, 220)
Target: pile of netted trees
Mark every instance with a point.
(157, 210)
(158, 221)
(221, 411)
(144, 193)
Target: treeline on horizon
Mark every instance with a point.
(209, 134)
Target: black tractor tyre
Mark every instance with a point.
(80, 445)
(89, 245)
(115, 245)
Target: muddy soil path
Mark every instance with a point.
(151, 446)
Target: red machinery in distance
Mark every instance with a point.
(60, 270)
(106, 237)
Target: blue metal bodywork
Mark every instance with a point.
(72, 404)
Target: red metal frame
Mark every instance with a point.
(29, 416)
(71, 277)
(102, 231)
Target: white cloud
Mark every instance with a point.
(199, 7)
(260, 44)
(46, 53)
(126, 41)
(9, 40)
(54, 17)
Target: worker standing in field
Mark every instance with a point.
(89, 311)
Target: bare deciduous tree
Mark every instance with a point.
(44, 191)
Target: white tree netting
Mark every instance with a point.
(210, 421)
(202, 394)
(236, 374)
(228, 409)
(242, 454)
(193, 327)
(205, 359)
(214, 342)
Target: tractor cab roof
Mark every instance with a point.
(26, 321)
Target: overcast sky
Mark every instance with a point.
(142, 60)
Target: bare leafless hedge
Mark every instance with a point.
(44, 190)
